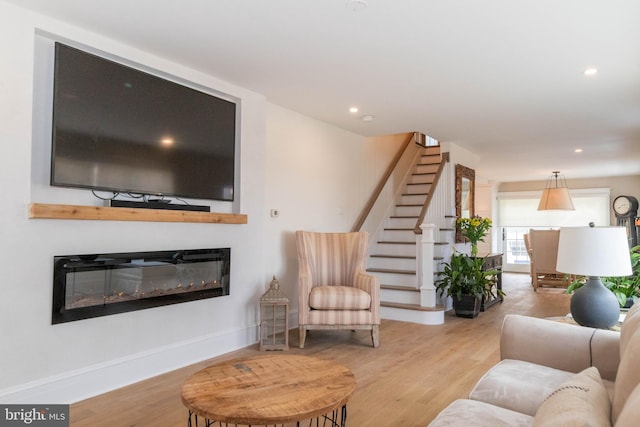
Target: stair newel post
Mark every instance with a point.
(425, 265)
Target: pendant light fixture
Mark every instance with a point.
(556, 195)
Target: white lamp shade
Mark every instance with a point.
(594, 251)
(555, 199)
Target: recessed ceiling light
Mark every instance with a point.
(353, 109)
(591, 71)
(356, 5)
(367, 118)
(578, 150)
(167, 141)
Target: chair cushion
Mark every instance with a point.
(339, 318)
(581, 401)
(339, 298)
(518, 385)
(463, 412)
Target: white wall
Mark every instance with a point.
(318, 176)
(464, 157)
(62, 363)
(484, 207)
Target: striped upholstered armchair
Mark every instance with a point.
(334, 291)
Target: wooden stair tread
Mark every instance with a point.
(428, 161)
(399, 288)
(390, 270)
(410, 306)
(397, 242)
(392, 256)
(435, 258)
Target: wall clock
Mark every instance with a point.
(625, 206)
(626, 210)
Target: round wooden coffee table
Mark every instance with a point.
(270, 390)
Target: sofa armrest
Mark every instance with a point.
(304, 288)
(605, 351)
(559, 345)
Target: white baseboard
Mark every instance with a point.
(77, 385)
(413, 316)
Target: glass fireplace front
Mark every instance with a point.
(87, 286)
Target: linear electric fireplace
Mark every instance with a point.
(87, 286)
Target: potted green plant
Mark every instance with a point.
(466, 281)
(474, 229)
(626, 288)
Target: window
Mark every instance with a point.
(517, 213)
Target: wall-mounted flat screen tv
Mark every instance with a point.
(118, 129)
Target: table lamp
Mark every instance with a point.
(594, 252)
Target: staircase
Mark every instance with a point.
(395, 247)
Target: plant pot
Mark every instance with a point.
(467, 306)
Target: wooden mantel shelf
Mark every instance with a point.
(104, 213)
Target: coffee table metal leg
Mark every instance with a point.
(337, 418)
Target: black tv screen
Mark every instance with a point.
(119, 129)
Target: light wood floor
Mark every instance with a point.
(416, 371)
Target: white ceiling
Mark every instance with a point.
(502, 78)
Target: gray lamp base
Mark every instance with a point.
(594, 305)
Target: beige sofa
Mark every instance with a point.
(556, 374)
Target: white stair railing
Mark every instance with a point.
(435, 219)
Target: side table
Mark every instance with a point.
(493, 261)
(270, 390)
(569, 320)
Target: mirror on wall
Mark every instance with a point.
(465, 190)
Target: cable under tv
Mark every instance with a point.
(164, 204)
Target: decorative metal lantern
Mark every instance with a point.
(274, 318)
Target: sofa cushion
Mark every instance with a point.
(629, 326)
(339, 298)
(468, 413)
(518, 385)
(581, 401)
(605, 353)
(628, 376)
(528, 338)
(630, 414)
